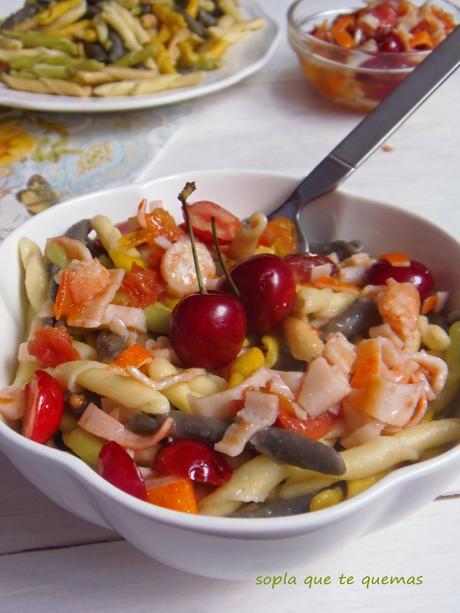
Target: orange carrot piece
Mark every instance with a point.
(368, 362)
(177, 494)
(135, 355)
(63, 301)
(335, 285)
(428, 304)
(421, 40)
(344, 39)
(396, 259)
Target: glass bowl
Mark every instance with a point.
(352, 78)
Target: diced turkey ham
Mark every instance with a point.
(323, 387)
(259, 412)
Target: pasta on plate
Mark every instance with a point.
(206, 366)
(115, 48)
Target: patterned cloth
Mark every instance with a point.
(46, 158)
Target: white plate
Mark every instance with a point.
(242, 60)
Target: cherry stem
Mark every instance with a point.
(221, 259)
(189, 188)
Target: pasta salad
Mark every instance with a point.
(206, 366)
(112, 48)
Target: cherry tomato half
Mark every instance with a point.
(117, 466)
(44, 407)
(193, 459)
(201, 213)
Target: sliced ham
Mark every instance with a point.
(323, 387)
(259, 412)
(278, 386)
(363, 434)
(293, 379)
(97, 422)
(385, 331)
(339, 352)
(435, 367)
(219, 405)
(129, 317)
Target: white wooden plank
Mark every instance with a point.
(29, 520)
(114, 577)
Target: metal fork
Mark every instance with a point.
(375, 128)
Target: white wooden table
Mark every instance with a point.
(52, 561)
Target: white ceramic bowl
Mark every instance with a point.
(223, 547)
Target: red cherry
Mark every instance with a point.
(301, 265)
(208, 330)
(44, 407)
(416, 273)
(192, 459)
(267, 290)
(391, 43)
(117, 466)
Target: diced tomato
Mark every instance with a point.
(313, 427)
(44, 407)
(135, 355)
(280, 234)
(152, 254)
(201, 213)
(140, 287)
(52, 346)
(176, 494)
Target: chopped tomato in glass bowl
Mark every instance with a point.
(356, 55)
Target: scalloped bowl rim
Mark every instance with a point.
(223, 526)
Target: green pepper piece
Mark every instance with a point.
(158, 317)
(137, 57)
(85, 445)
(37, 39)
(207, 63)
(49, 71)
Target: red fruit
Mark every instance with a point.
(386, 14)
(193, 459)
(52, 346)
(44, 400)
(208, 330)
(140, 287)
(391, 43)
(416, 273)
(117, 466)
(201, 213)
(302, 263)
(267, 290)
